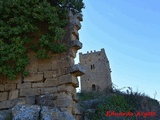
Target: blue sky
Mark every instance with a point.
(129, 31)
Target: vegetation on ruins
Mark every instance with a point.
(32, 25)
(117, 101)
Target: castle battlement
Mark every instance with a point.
(93, 56)
(92, 52)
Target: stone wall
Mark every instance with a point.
(97, 76)
(56, 76)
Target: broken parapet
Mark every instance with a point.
(57, 76)
(77, 70)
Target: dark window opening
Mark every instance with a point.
(92, 67)
(93, 87)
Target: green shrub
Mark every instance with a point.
(31, 25)
(115, 103)
(89, 95)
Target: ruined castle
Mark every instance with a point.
(97, 76)
(51, 83)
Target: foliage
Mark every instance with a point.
(30, 25)
(88, 95)
(118, 101)
(115, 103)
(74, 5)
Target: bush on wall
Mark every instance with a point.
(36, 25)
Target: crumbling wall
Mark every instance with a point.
(56, 75)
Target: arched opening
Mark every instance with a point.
(93, 87)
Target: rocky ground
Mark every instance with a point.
(35, 112)
(38, 108)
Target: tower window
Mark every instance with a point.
(92, 67)
(93, 87)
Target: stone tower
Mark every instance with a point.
(97, 76)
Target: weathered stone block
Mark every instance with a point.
(9, 87)
(65, 88)
(73, 53)
(26, 112)
(46, 100)
(3, 105)
(3, 96)
(13, 94)
(68, 109)
(75, 110)
(33, 66)
(76, 44)
(65, 79)
(74, 37)
(48, 90)
(65, 62)
(50, 82)
(24, 85)
(34, 78)
(55, 65)
(63, 95)
(75, 98)
(18, 101)
(29, 91)
(75, 32)
(30, 100)
(63, 71)
(78, 16)
(77, 24)
(38, 85)
(50, 74)
(75, 81)
(49, 113)
(44, 65)
(77, 70)
(11, 103)
(74, 92)
(1, 87)
(67, 102)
